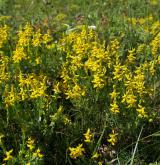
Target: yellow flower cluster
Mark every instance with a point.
(8, 155)
(36, 41)
(113, 96)
(88, 68)
(31, 146)
(4, 60)
(29, 86)
(24, 37)
(38, 153)
(89, 60)
(141, 111)
(113, 137)
(77, 151)
(86, 55)
(30, 143)
(28, 38)
(119, 71)
(131, 57)
(4, 30)
(88, 136)
(10, 95)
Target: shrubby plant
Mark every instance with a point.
(80, 93)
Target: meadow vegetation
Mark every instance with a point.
(79, 82)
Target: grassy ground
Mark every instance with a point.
(79, 82)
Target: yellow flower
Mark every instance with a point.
(8, 155)
(47, 37)
(113, 137)
(119, 71)
(129, 98)
(30, 143)
(3, 35)
(88, 136)
(56, 88)
(38, 153)
(38, 88)
(11, 96)
(36, 41)
(75, 93)
(131, 57)
(114, 107)
(98, 81)
(19, 54)
(77, 151)
(141, 112)
(95, 155)
(38, 60)
(25, 35)
(114, 94)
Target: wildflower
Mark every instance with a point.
(114, 107)
(129, 98)
(38, 88)
(88, 136)
(98, 81)
(113, 137)
(19, 54)
(25, 35)
(114, 94)
(56, 88)
(10, 95)
(77, 151)
(141, 112)
(131, 57)
(46, 38)
(38, 60)
(76, 92)
(95, 155)
(140, 48)
(38, 153)
(3, 67)
(8, 155)
(3, 35)
(139, 80)
(114, 46)
(30, 143)
(36, 41)
(119, 71)
(152, 68)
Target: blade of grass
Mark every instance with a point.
(136, 146)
